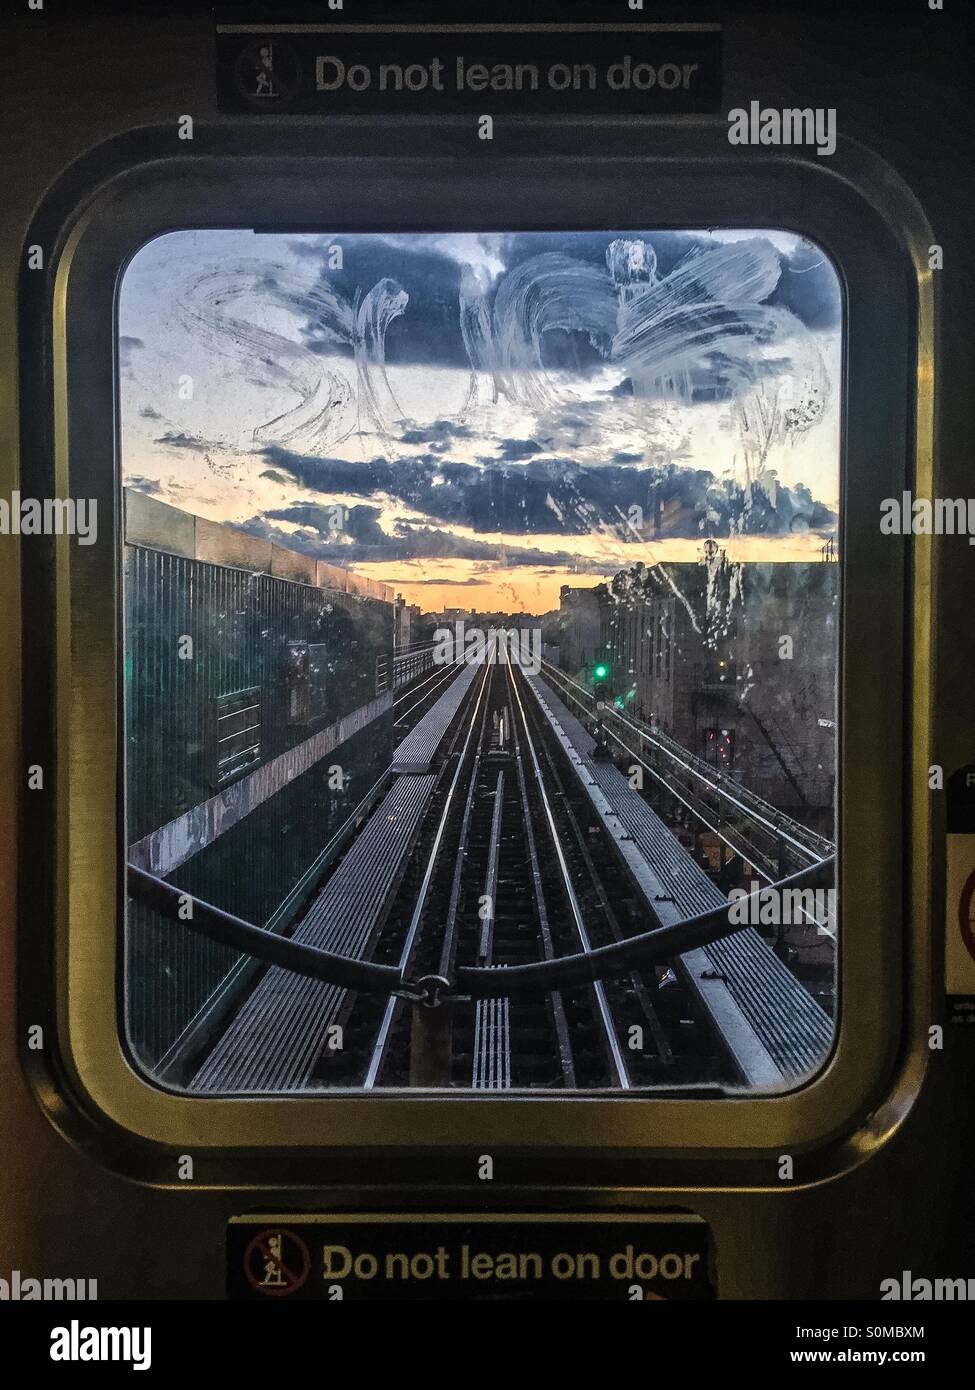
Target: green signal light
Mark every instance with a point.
(600, 672)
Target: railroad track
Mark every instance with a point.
(488, 851)
(415, 699)
(774, 843)
(514, 871)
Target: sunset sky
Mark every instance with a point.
(479, 419)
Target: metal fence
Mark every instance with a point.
(230, 792)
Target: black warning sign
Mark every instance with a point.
(637, 69)
(276, 1262)
(647, 1257)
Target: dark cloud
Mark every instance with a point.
(669, 247)
(809, 287)
(622, 388)
(623, 457)
(182, 441)
(552, 496)
(360, 523)
(720, 378)
(147, 485)
(429, 330)
(454, 583)
(440, 432)
(364, 541)
(434, 543)
(511, 449)
(328, 475)
(126, 347)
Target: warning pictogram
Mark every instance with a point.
(268, 74)
(276, 1262)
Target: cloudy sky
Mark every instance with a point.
(479, 419)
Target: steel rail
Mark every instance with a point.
(486, 943)
(365, 977)
(442, 678)
(695, 811)
(602, 1003)
(754, 852)
(764, 873)
(713, 785)
(772, 827)
(654, 947)
(382, 1037)
(636, 980)
(492, 1033)
(448, 946)
(559, 1020)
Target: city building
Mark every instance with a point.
(735, 661)
(406, 623)
(584, 627)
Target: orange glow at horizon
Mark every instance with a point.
(528, 589)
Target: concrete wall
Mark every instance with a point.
(159, 526)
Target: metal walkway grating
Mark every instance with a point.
(491, 1070)
(417, 750)
(775, 1028)
(281, 1029)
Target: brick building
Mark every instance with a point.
(735, 661)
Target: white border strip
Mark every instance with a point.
(163, 850)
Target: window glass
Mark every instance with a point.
(481, 611)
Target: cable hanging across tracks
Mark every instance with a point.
(648, 948)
